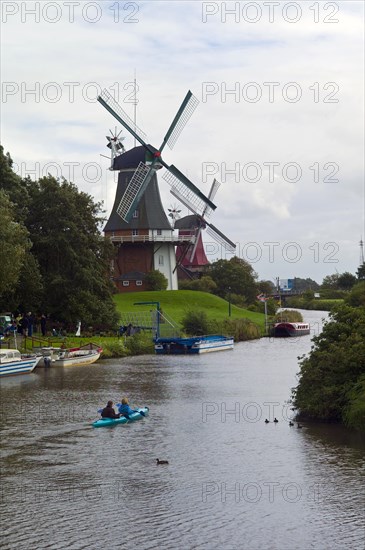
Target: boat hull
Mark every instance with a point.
(193, 346)
(59, 358)
(287, 330)
(25, 366)
(108, 422)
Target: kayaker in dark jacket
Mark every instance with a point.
(126, 410)
(109, 412)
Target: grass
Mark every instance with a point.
(175, 303)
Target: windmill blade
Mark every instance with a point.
(187, 108)
(108, 101)
(197, 235)
(220, 237)
(213, 190)
(134, 191)
(186, 188)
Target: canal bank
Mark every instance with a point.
(232, 481)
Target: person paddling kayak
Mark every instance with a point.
(126, 410)
(109, 412)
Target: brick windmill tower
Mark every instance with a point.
(138, 225)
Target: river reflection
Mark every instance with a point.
(232, 481)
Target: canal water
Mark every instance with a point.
(232, 481)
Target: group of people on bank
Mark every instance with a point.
(123, 408)
(25, 324)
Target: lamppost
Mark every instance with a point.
(229, 301)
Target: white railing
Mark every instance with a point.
(151, 238)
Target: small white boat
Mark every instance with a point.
(13, 362)
(72, 357)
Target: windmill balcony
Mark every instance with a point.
(172, 237)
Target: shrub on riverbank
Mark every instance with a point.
(288, 316)
(331, 386)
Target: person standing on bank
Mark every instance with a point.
(43, 324)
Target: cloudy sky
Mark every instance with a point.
(279, 124)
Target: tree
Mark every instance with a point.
(236, 276)
(64, 264)
(155, 280)
(74, 258)
(330, 281)
(14, 244)
(361, 272)
(334, 367)
(305, 284)
(265, 287)
(346, 281)
(356, 296)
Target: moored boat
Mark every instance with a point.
(13, 362)
(72, 357)
(193, 345)
(104, 422)
(285, 329)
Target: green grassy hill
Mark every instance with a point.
(175, 303)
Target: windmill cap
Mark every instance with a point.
(132, 158)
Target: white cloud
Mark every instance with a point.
(172, 50)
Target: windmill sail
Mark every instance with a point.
(220, 237)
(187, 108)
(186, 188)
(108, 101)
(134, 191)
(212, 193)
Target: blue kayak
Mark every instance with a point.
(103, 422)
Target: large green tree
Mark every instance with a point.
(234, 276)
(53, 257)
(14, 244)
(333, 369)
(346, 281)
(73, 256)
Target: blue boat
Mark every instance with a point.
(105, 422)
(12, 362)
(193, 345)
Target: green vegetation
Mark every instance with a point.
(332, 378)
(176, 303)
(155, 280)
(289, 316)
(53, 258)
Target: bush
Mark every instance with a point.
(205, 284)
(114, 349)
(155, 280)
(140, 344)
(195, 323)
(289, 316)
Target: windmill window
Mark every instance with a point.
(135, 214)
(160, 260)
(159, 231)
(125, 283)
(138, 283)
(134, 232)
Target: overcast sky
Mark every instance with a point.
(279, 123)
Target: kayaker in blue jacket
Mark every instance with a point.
(109, 412)
(126, 410)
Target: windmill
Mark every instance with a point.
(140, 189)
(145, 170)
(174, 214)
(195, 257)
